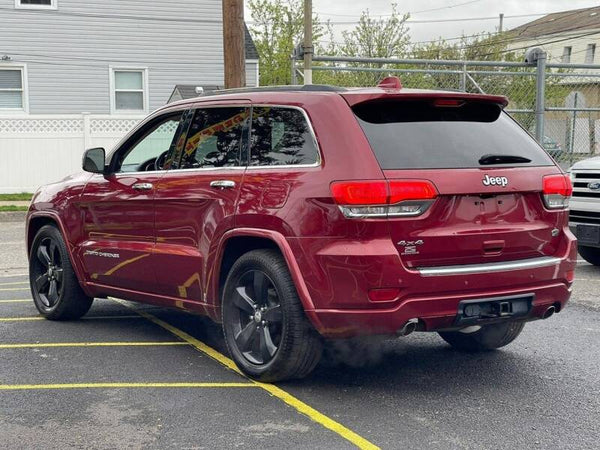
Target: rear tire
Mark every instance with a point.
(266, 331)
(590, 254)
(489, 337)
(56, 292)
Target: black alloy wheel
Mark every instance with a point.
(258, 322)
(48, 272)
(56, 291)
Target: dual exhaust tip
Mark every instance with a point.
(549, 312)
(411, 325)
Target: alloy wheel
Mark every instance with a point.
(48, 272)
(257, 317)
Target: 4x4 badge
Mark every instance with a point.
(410, 247)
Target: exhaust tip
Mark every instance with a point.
(408, 327)
(549, 312)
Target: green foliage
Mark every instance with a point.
(12, 208)
(23, 196)
(278, 27)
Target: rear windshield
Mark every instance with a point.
(423, 135)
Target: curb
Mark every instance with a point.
(13, 216)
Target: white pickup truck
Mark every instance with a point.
(584, 217)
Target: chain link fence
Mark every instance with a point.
(559, 104)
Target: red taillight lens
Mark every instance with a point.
(401, 190)
(360, 192)
(369, 199)
(557, 190)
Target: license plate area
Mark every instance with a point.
(588, 234)
(492, 309)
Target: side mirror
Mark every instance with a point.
(94, 160)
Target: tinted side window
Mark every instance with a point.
(281, 136)
(215, 138)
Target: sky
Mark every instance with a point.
(349, 11)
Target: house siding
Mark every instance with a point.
(69, 51)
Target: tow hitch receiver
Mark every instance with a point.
(475, 311)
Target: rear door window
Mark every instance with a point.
(281, 136)
(216, 138)
(426, 135)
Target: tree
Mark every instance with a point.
(277, 28)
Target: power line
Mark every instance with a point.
(410, 12)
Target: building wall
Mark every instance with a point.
(68, 51)
(577, 40)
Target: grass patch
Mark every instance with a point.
(22, 197)
(13, 208)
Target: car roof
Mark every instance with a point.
(296, 94)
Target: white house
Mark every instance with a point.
(81, 73)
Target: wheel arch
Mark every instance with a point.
(35, 222)
(239, 241)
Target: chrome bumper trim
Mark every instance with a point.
(469, 269)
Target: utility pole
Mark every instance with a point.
(501, 24)
(308, 46)
(234, 44)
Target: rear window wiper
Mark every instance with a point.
(487, 160)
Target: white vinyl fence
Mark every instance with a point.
(37, 150)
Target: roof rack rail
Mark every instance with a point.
(290, 88)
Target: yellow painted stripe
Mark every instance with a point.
(24, 288)
(275, 391)
(25, 387)
(29, 319)
(20, 319)
(17, 301)
(91, 344)
(15, 282)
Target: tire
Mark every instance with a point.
(489, 337)
(266, 331)
(56, 292)
(590, 254)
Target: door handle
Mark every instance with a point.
(142, 186)
(222, 184)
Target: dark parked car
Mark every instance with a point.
(298, 214)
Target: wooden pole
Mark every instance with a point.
(234, 44)
(308, 46)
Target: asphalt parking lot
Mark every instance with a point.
(133, 376)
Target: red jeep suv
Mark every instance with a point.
(297, 214)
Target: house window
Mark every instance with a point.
(36, 4)
(129, 90)
(12, 89)
(590, 52)
(566, 56)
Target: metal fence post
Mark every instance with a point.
(294, 79)
(540, 94)
(463, 78)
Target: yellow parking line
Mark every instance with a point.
(24, 387)
(30, 319)
(24, 288)
(20, 319)
(91, 344)
(15, 282)
(275, 391)
(17, 301)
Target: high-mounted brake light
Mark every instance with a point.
(556, 191)
(448, 102)
(375, 199)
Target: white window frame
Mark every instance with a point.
(24, 87)
(113, 90)
(566, 54)
(53, 5)
(590, 53)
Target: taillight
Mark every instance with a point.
(556, 191)
(394, 198)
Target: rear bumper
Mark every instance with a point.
(432, 295)
(434, 312)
